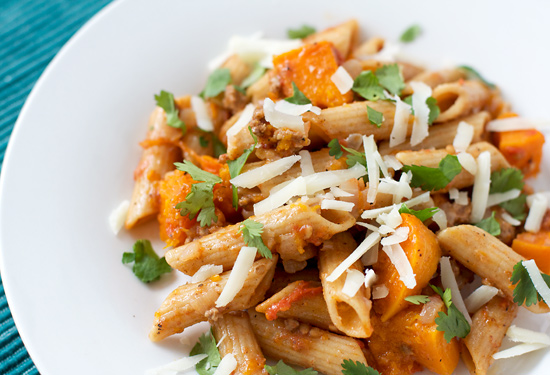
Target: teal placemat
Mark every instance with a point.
(31, 33)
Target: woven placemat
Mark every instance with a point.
(31, 33)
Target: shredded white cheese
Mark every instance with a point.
(306, 163)
(467, 162)
(498, 198)
(392, 162)
(400, 122)
(440, 218)
(354, 280)
(206, 271)
(371, 256)
(537, 211)
(482, 183)
(327, 179)
(266, 172)
(367, 244)
(538, 281)
(118, 216)
(372, 167)
(520, 349)
(392, 219)
(459, 197)
(227, 365)
(480, 297)
(181, 365)
(340, 193)
(421, 92)
(280, 119)
(448, 280)
(295, 188)
(201, 114)
(238, 275)
(510, 220)
(292, 109)
(241, 123)
(515, 123)
(401, 263)
(370, 227)
(370, 278)
(518, 334)
(342, 80)
(374, 213)
(401, 234)
(380, 291)
(333, 204)
(463, 137)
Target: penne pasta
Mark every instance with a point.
(459, 99)
(343, 37)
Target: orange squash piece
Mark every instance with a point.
(534, 246)
(423, 252)
(311, 68)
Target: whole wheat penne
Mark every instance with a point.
(431, 158)
(238, 68)
(484, 255)
(343, 37)
(302, 301)
(303, 345)
(489, 326)
(441, 135)
(369, 47)
(259, 90)
(459, 99)
(350, 315)
(435, 78)
(196, 302)
(306, 224)
(234, 335)
(155, 162)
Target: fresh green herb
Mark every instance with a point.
(434, 109)
(216, 83)
(375, 117)
(203, 141)
(454, 324)
(282, 368)
(409, 101)
(525, 291)
(353, 158)
(147, 264)
(357, 368)
(301, 32)
(471, 73)
(201, 197)
(252, 234)
(297, 97)
(165, 100)
(257, 73)
(236, 166)
(507, 179)
(335, 149)
(516, 207)
(490, 225)
(240, 89)
(411, 34)
(219, 148)
(417, 300)
(207, 345)
(390, 78)
(366, 84)
(434, 178)
(422, 215)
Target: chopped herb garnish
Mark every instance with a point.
(257, 73)
(434, 109)
(505, 180)
(516, 207)
(366, 84)
(434, 178)
(297, 97)
(422, 215)
(236, 166)
(453, 324)
(219, 148)
(353, 158)
(417, 300)
(375, 117)
(471, 73)
(411, 34)
(216, 83)
(207, 345)
(201, 197)
(147, 264)
(335, 149)
(301, 32)
(252, 234)
(203, 141)
(390, 78)
(165, 100)
(282, 368)
(240, 89)
(357, 368)
(525, 291)
(490, 225)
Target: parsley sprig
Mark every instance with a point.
(297, 97)
(165, 100)
(371, 85)
(428, 178)
(236, 166)
(525, 291)
(147, 264)
(471, 73)
(490, 225)
(432, 106)
(375, 117)
(301, 32)
(353, 157)
(207, 345)
(422, 215)
(357, 368)
(216, 83)
(256, 73)
(282, 368)
(417, 300)
(411, 34)
(454, 324)
(507, 179)
(252, 234)
(201, 198)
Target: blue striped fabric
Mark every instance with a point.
(31, 33)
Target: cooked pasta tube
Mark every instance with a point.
(259, 90)
(303, 345)
(489, 326)
(339, 122)
(343, 37)
(196, 302)
(306, 224)
(155, 162)
(159, 132)
(350, 315)
(431, 158)
(238, 68)
(435, 78)
(459, 99)
(407, 70)
(369, 47)
(234, 335)
(484, 255)
(302, 301)
(441, 135)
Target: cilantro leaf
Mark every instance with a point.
(257, 73)
(216, 83)
(297, 97)
(471, 73)
(453, 324)
(375, 117)
(207, 345)
(335, 149)
(434, 178)
(417, 300)
(165, 100)
(434, 109)
(525, 292)
(219, 148)
(235, 166)
(240, 89)
(252, 234)
(200, 199)
(300, 33)
(147, 264)
(506, 179)
(357, 368)
(516, 207)
(366, 84)
(411, 34)
(390, 78)
(422, 215)
(490, 225)
(409, 101)
(282, 368)
(203, 141)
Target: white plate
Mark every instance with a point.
(75, 145)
